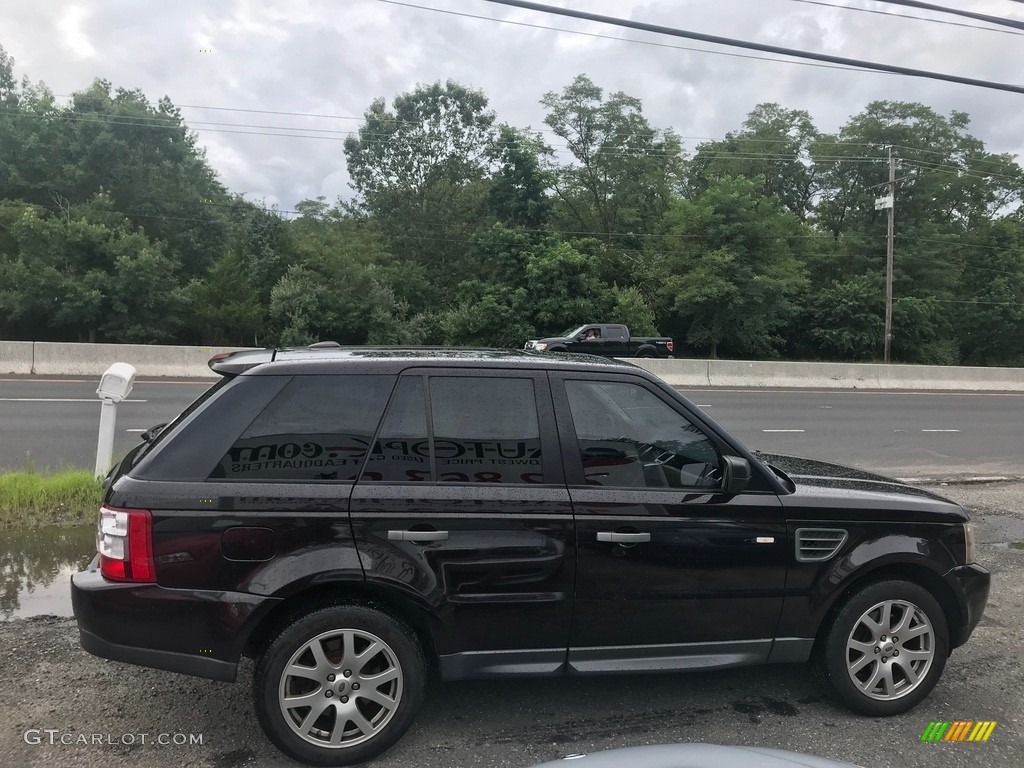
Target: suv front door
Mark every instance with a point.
(462, 505)
(671, 572)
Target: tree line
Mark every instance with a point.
(466, 230)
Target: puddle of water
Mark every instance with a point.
(36, 567)
(1017, 545)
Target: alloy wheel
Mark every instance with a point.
(341, 688)
(890, 650)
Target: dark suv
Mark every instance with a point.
(355, 519)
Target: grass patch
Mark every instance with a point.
(29, 498)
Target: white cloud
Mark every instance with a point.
(72, 35)
(333, 58)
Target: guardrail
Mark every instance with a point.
(68, 359)
(761, 374)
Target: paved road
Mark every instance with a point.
(910, 434)
(54, 422)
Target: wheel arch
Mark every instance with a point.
(322, 595)
(912, 572)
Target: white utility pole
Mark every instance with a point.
(882, 203)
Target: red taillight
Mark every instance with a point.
(124, 541)
(670, 346)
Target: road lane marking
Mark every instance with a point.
(60, 400)
(850, 391)
(782, 430)
(940, 430)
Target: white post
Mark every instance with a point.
(115, 385)
(105, 445)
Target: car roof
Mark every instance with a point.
(383, 359)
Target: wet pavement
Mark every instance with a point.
(36, 566)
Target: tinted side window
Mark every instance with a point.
(615, 333)
(402, 450)
(628, 437)
(317, 428)
(486, 430)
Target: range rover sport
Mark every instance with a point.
(361, 521)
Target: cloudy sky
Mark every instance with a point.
(331, 58)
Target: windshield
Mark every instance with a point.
(572, 331)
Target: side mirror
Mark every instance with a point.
(735, 474)
(581, 337)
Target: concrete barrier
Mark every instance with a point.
(950, 377)
(738, 373)
(678, 373)
(66, 359)
(15, 357)
(762, 374)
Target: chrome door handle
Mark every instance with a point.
(417, 535)
(623, 538)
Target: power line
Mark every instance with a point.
(824, 238)
(722, 155)
(621, 39)
(134, 122)
(735, 43)
(905, 16)
(1000, 20)
(816, 141)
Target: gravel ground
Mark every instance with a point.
(48, 682)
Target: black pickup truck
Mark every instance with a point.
(604, 340)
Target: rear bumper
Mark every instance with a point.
(971, 583)
(193, 632)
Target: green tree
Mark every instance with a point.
(421, 171)
(990, 315)
(774, 147)
(730, 276)
(519, 195)
(846, 320)
(624, 173)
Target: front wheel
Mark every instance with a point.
(340, 685)
(885, 649)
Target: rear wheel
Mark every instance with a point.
(886, 648)
(339, 685)
(646, 353)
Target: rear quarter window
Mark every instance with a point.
(316, 428)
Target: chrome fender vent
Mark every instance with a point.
(814, 545)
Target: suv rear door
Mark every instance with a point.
(462, 506)
(671, 574)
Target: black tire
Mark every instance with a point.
(348, 696)
(558, 349)
(924, 648)
(647, 353)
